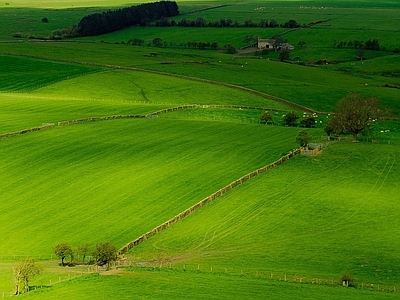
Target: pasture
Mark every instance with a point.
(311, 218)
(156, 284)
(333, 214)
(120, 162)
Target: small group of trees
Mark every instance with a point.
(158, 42)
(290, 119)
(104, 253)
(201, 22)
(356, 44)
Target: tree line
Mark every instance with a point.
(103, 253)
(371, 44)
(113, 20)
(201, 22)
(158, 42)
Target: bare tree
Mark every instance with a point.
(23, 272)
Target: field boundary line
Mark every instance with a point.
(206, 200)
(38, 128)
(130, 116)
(238, 87)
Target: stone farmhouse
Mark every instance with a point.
(270, 44)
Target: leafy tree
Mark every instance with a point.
(360, 53)
(63, 250)
(353, 113)
(230, 49)
(157, 42)
(214, 45)
(105, 253)
(273, 23)
(278, 41)
(291, 24)
(266, 117)
(372, 45)
(248, 23)
(303, 138)
(84, 250)
(23, 272)
(329, 130)
(307, 122)
(45, 20)
(284, 55)
(290, 119)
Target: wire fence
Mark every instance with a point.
(289, 277)
(51, 280)
(126, 263)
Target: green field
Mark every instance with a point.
(333, 214)
(120, 163)
(149, 284)
(290, 233)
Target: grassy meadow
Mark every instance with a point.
(333, 214)
(307, 221)
(121, 162)
(156, 284)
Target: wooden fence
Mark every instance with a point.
(206, 200)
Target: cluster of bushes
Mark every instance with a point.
(201, 22)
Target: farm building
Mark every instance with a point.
(269, 44)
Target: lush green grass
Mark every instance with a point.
(315, 87)
(334, 213)
(115, 180)
(154, 89)
(22, 110)
(58, 96)
(241, 115)
(136, 174)
(16, 73)
(312, 87)
(171, 284)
